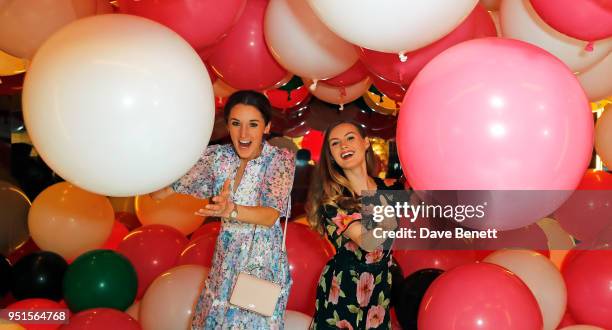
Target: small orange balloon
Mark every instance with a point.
(177, 211)
(69, 221)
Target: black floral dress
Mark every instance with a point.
(355, 286)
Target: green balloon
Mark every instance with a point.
(100, 278)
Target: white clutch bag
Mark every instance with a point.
(255, 294)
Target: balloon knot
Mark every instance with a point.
(402, 56)
(341, 106)
(314, 85)
(590, 46)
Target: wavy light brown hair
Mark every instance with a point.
(329, 185)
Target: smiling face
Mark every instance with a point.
(247, 126)
(347, 146)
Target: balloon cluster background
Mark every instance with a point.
(460, 94)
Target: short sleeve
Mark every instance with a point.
(199, 181)
(277, 182)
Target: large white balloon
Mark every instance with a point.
(597, 80)
(520, 21)
(392, 26)
(118, 105)
(302, 44)
(339, 95)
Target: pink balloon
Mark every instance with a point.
(353, 75)
(587, 20)
(101, 319)
(152, 250)
(589, 294)
(202, 23)
(477, 25)
(308, 252)
(242, 59)
(392, 90)
(479, 296)
(498, 124)
(589, 209)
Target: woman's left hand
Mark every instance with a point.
(221, 205)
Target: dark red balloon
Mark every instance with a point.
(242, 59)
(28, 247)
(308, 252)
(392, 90)
(477, 25)
(313, 141)
(102, 319)
(351, 76)
(152, 250)
(202, 23)
(588, 275)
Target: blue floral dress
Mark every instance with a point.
(266, 181)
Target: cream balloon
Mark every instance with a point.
(69, 221)
(170, 300)
(558, 238)
(392, 26)
(582, 327)
(520, 21)
(541, 276)
(26, 24)
(302, 44)
(603, 136)
(339, 95)
(297, 321)
(118, 104)
(597, 80)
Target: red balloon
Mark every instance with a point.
(284, 100)
(589, 294)
(102, 319)
(118, 232)
(478, 24)
(587, 20)
(392, 90)
(152, 250)
(201, 248)
(211, 73)
(28, 247)
(530, 237)
(351, 76)
(38, 305)
(566, 321)
(242, 59)
(308, 252)
(587, 212)
(128, 219)
(202, 23)
(479, 296)
(313, 141)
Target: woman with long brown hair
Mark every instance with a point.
(355, 286)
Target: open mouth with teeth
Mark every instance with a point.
(347, 154)
(244, 144)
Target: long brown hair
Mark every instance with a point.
(329, 185)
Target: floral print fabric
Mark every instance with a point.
(355, 286)
(266, 181)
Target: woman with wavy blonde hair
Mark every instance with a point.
(355, 286)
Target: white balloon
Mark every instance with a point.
(118, 105)
(597, 80)
(541, 276)
(520, 21)
(297, 321)
(392, 26)
(302, 44)
(339, 95)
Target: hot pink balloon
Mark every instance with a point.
(589, 209)
(202, 23)
(587, 20)
(152, 250)
(589, 294)
(479, 296)
(353, 75)
(242, 59)
(477, 25)
(498, 124)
